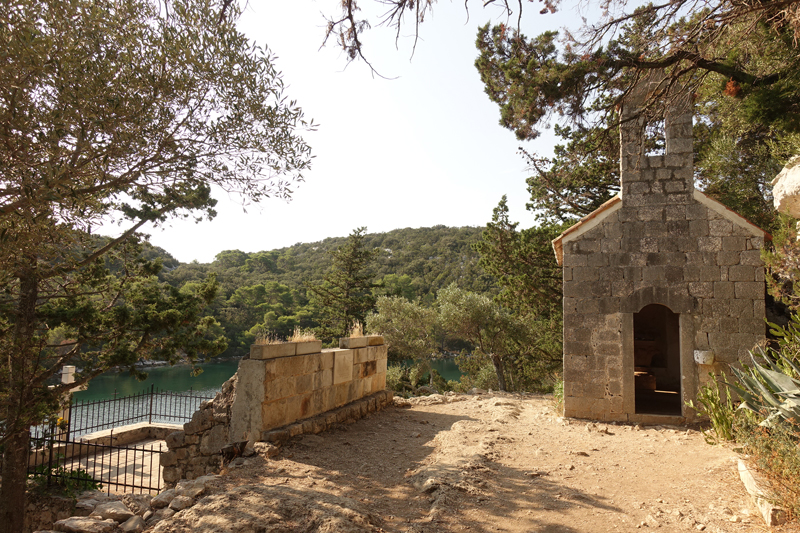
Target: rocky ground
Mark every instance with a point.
(480, 463)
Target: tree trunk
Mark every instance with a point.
(498, 369)
(15, 474)
(21, 361)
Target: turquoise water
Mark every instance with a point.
(176, 378)
(446, 367)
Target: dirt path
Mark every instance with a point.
(481, 463)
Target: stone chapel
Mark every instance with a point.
(662, 284)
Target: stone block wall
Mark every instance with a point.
(280, 391)
(276, 391)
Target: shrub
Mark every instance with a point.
(68, 482)
(718, 406)
(558, 395)
(405, 380)
(481, 377)
(395, 378)
(774, 452)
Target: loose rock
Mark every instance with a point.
(116, 511)
(79, 524)
(163, 499)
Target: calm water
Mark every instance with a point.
(446, 367)
(176, 378)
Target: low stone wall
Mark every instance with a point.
(274, 391)
(120, 436)
(282, 390)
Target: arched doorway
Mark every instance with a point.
(657, 361)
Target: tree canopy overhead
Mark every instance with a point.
(751, 46)
(129, 112)
(739, 60)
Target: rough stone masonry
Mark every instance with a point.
(660, 251)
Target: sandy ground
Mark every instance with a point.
(481, 463)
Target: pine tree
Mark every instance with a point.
(345, 295)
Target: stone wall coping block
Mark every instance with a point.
(352, 342)
(271, 351)
(309, 347)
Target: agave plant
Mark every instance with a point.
(771, 391)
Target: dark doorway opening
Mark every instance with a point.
(657, 361)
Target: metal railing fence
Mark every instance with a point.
(81, 465)
(150, 405)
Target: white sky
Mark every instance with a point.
(419, 150)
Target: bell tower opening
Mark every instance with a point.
(657, 361)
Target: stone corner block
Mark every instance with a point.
(374, 340)
(352, 342)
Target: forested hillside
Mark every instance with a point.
(268, 288)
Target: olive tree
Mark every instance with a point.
(128, 112)
(408, 327)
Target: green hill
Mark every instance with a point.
(268, 287)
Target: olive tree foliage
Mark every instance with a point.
(493, 331)
(126, 112)
(409, 328)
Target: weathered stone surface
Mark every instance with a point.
(171, 474)
(176, 439)
(201, 420)
(79, 524)
(308, 347)
(272, 351)
(352, 342)
(179, 503)
(192, 489)
(266, 449)
(117, 511)
(246, 408)
(163, 499)
(273, 393)
(786, 188)
(85, 507)
(134, 524)
(160, 515)
(169, 458)
(212, 441)
(138, 503)
(342, 366)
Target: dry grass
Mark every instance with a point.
(267, 337)
(302, 335)
(356, 330)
